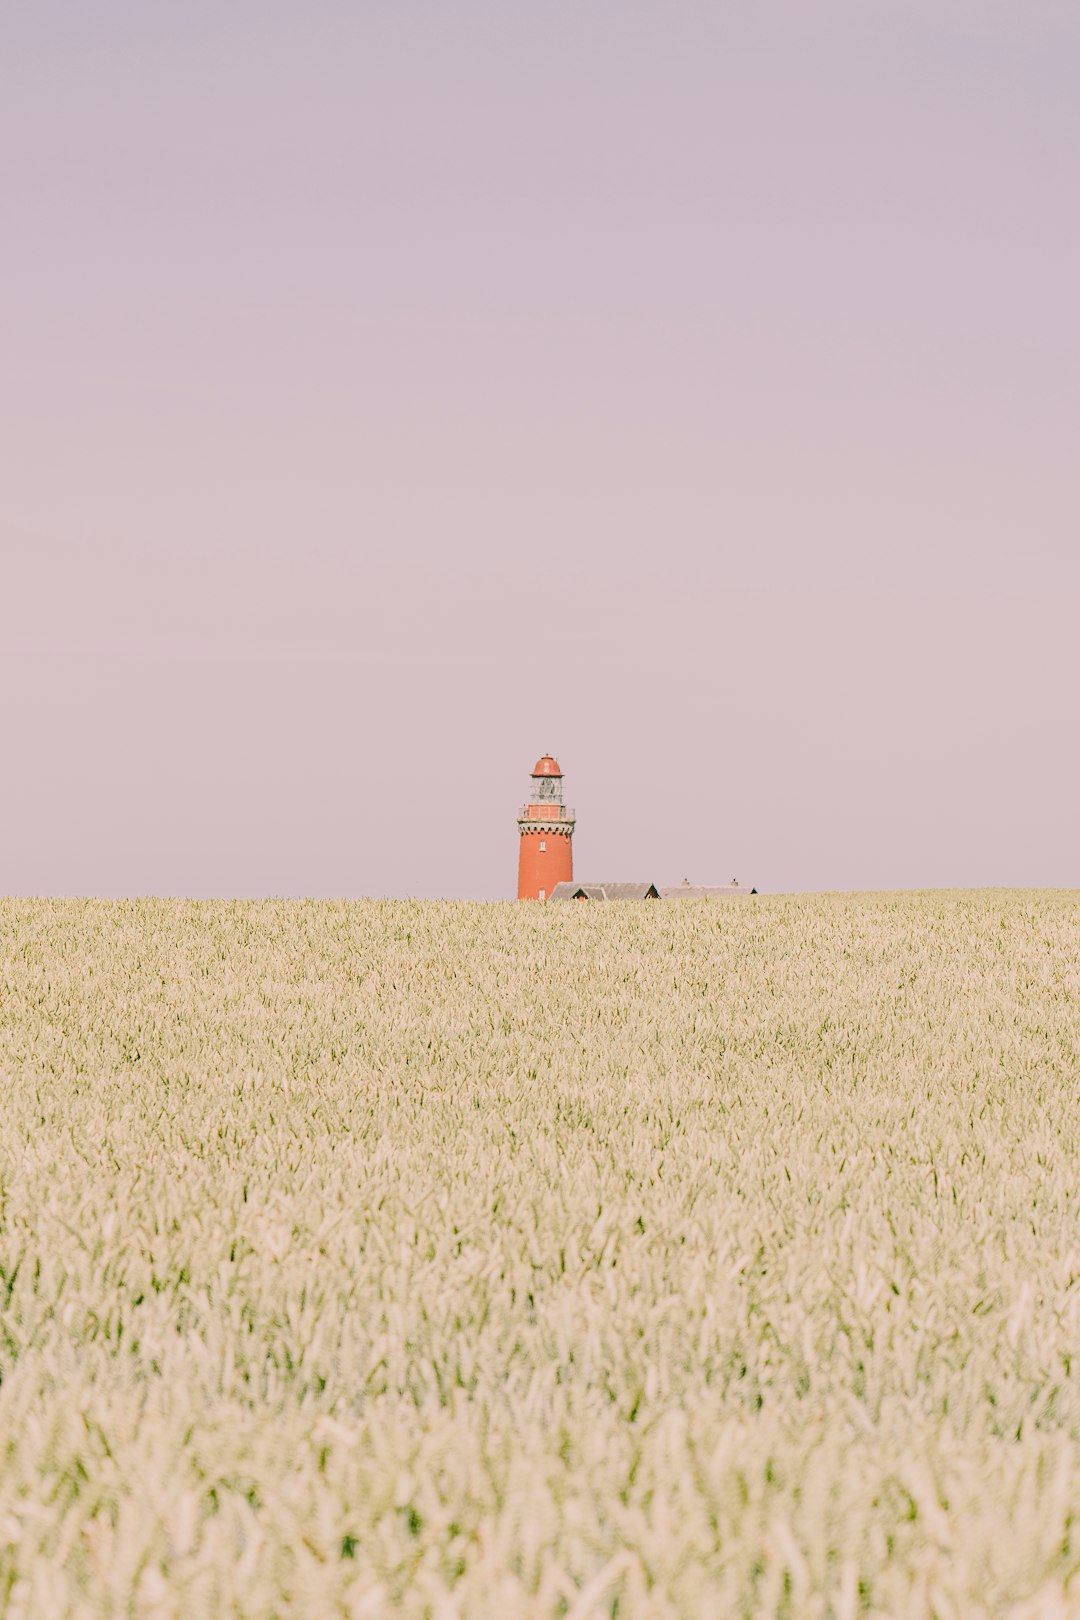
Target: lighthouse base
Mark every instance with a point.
(546, 858)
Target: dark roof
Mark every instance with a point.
(697, 891)
(605, 891)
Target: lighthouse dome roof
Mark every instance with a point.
(546, 765)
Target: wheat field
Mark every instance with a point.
(668, 1260)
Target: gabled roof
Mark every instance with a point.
(697, 891)
(605, 891)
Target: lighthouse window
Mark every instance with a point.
(543, 843)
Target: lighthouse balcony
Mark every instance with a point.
(547, 813)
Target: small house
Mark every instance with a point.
(605, 891)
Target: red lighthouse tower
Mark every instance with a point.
(547, 830)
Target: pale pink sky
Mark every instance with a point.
(390, 393)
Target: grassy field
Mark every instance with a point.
(674, 1260)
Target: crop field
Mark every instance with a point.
(484, 1261)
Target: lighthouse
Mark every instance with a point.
(546, 826)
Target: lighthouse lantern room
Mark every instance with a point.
(546, 826)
